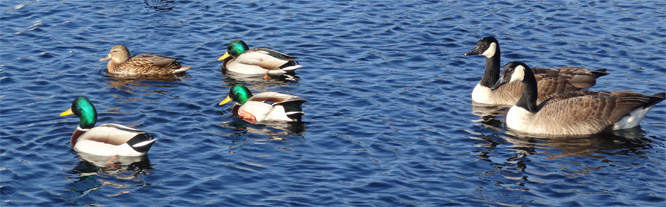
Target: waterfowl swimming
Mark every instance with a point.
(142, 64)
(266, 106)
(105, 139)
(258, 61)
(572, 113)
(550, 81)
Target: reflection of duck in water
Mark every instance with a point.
(93, 164)
(105, 139)
(148, 85)
(264, 107)
(125, 172)
(272, 130)
(240, 59)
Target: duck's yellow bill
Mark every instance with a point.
(68, 112)
(225, 101)
(225, 56)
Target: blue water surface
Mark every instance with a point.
(389, 119)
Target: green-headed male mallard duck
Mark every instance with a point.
(551, 81)
(266, 106)
(142, 64)
(258, 61)
(575, 112)
(105, 139)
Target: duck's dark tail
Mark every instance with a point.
(142, 142)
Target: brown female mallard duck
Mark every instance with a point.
(142, 64)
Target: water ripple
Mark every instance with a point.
(389, 118)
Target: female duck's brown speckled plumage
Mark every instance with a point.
(143, 64)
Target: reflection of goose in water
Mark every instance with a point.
(585, 145)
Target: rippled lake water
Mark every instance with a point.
(389, 119)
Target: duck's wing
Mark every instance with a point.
(266, 59)
(275, 54)
(277, 98)
(156, 60)
(114, 134)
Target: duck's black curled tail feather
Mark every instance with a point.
(294, 110)
(142, 142)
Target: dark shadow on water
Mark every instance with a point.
(159, 5)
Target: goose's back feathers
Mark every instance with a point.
(577, 77)
(550, 82)
(587, 112)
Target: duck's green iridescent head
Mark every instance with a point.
(84, 109)
(239, 93)
(234, 49)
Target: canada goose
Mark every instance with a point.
(572, 113)
(550, 81)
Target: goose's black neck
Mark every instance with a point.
(492, 73)
(529, 97)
